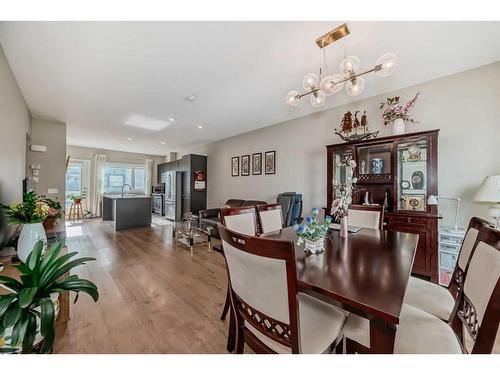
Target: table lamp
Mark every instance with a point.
(489, 192)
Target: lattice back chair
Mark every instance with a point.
(435, 299)
(272, 317)
(366, 216)
(270, 217)
(476, 315)
(240, 219)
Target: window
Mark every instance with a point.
(116, 175)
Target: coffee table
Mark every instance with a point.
(189, 233)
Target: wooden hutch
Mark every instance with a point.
(400, 171)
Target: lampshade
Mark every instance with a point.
(432, 200)
(489, 190)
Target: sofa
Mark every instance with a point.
(210, 217)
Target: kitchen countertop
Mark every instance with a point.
(125, 196)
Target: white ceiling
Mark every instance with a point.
(94, 75)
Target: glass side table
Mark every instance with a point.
(189, 233)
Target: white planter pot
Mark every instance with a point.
(398, 126)
(30, 233)
(315, 246)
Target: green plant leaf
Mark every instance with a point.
(19, 329)
(68, 267)
(26, 296)
(23, 268)
(47, 316)
(33, 259)
(80, 285)
(5, 301)
(29, 337)
(7, 350)
(46, 275)
(11, 283)
(52, 254)
(12, 315)
(48, 343)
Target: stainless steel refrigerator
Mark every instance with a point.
(173, 191)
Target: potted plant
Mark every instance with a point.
(313, 232)
(31, 213)
(396, 113)
(28, 313)
(54, 212)
(76, 198)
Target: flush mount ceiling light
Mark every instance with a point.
(163, 142)
(129, 138)
(200, 126)
(140, 121)
(319, 86)
(190, 98)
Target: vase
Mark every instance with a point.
(49, 222)
(398, 126)
(315, 246)
(377, 165)
(30, 234)
(343, 226)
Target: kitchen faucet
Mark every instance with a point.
(130, 188)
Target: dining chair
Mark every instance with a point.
(366, 216)
(243, 220)
(438, 300)
(272, 316)
(270, 217)
(474, 321)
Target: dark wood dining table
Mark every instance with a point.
(365, 273)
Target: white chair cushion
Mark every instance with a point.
(429, 297)
(422, 333)
(418, 333)
(241, 223)
(363, 218)
(271, 220)
(320, 325)
(467, 246)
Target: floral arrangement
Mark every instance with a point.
(31, 210)
(312, 230)
(55, 208)
(340, 205)
(394, 110)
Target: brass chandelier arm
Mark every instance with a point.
(350, 78)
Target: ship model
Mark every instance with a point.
(354, 130)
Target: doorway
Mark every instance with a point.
(77, 180)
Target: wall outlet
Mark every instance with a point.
(35, 179)
(35, 172)
(35, 166)
(53, 191)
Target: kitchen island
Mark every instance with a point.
(127, 211)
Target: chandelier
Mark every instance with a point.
(318, 87)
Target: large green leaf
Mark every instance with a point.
(5, 301)
(68, 267)
(48, 271)
(23, 269)
(12, 315)
(26, 296)
(29, 337)
(11, 283)
(47, 316)
(80, 285)
(52, 254)
(33, 259)
(47, 343)
(19, 329)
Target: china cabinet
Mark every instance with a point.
(399, 172)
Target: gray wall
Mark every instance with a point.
(14, 127)
(52, 173)
(465, 106)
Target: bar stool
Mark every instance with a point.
(75, 211)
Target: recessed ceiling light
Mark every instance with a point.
(149, 123)
(200, 126)
(190, 98)
(129, 138)
(171, 119)
(163, 143)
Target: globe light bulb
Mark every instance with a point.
(349, 65)
(330, 84)
(318, 99)
(389, 63)
(355, 87)
(310, 81)
(292, 98)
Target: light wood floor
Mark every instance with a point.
(154, 297)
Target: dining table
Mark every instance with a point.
(365, 273)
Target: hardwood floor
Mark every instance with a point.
(154, 297)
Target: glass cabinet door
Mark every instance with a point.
(374, 163)
(412, 175)
(340, 159)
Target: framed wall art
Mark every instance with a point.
(257, 163)
(245, 165)
(235, 166)
(270, 162)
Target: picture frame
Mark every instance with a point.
(245, 165)
(270, 162)
(235, 166)
(257, 163)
